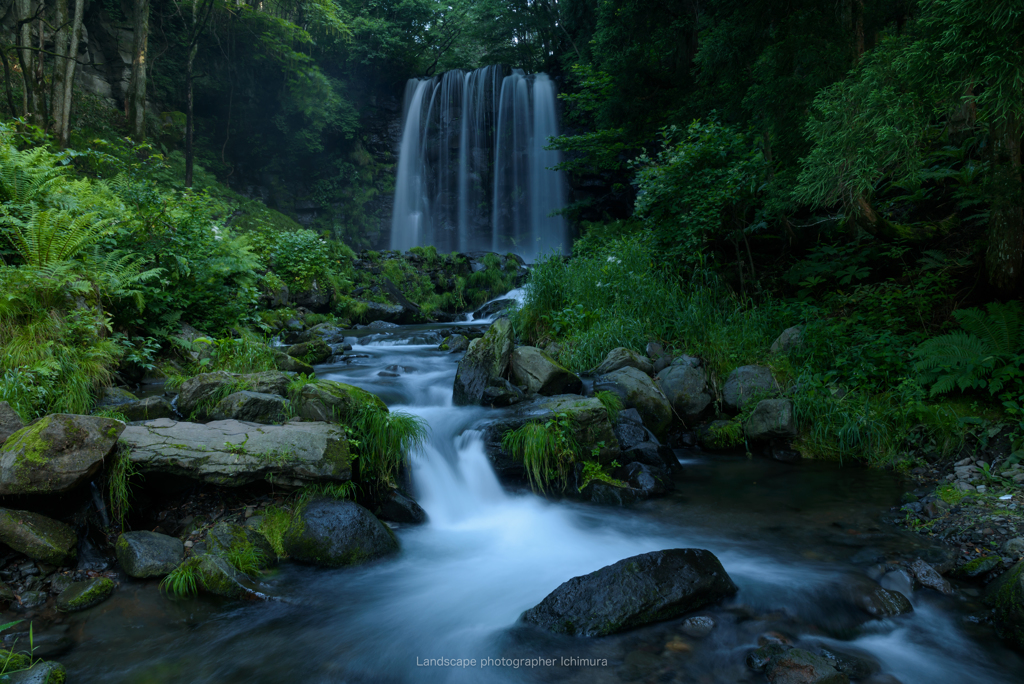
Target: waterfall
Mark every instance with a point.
(473, 173)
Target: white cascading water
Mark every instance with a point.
(473, 173)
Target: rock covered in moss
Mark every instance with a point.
(42, 672)
(541, 374)
(313, 351)
(114, 397)
(330, 401)
(149, 408)
(454, 344)
(978, 567)
(1006, 596)
(148, 554)
(234, 541)
(621, 357)
(215, 575)
(337, 533)
(633, 592)
(637, 390)
(197, 395)
(771, 418)
(234, 453)
(745, 384)
(485, 362)
(38, 537)
(56, 454)
(10, 421)
(291, 364)
(81, 595)
(255, 407)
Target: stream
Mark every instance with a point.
(791, 536)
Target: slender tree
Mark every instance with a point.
(137, 84)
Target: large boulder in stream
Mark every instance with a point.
(337, 533)
(541, 374)
(148, 554)
(330, 401)
(38, 537)
(56, 453)
(234, 453)
(637, 390)
(634, 592)
(483, 365)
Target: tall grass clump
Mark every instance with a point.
(612, 293)
(548, 451)
(385, 441)
(119, 486)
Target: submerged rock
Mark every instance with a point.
(698, 626)
(38, 537)
(620, 357)
(638, 391)
(797, 666)
(541, 374)
(148, 554)
(56, 453)
(486, 361)
(234, 453)
(337, 533)
(878, 602)
(81, 595)
(745, 384)
(633, 592)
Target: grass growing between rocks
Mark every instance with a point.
(276, 519)
(385, 440)
(183, 581)
(612, 404)
(119, 486)
(548, 451)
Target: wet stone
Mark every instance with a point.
(82, 595)
(698, 626)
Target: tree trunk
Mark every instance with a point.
(7, 82)
(37, 103)
(69, 73)
(858, 27)
(23, 10)
(189, 122)
(137, 86)
(1005, 254)
(60, 48)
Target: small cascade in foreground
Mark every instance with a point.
(473, 173)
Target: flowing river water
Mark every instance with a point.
(790, 536)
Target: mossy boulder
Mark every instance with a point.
(291, 364)
(633, 592)
(636, 390)
(454, 344)
(269, 382)
(330, 401)
(485, 363)
(337, 533)
(313, 352)
(56, 453)
(215, 575)
(38, 537)
(1006, 597)
(10, 421)
(978, 567)
(255, 407)
(42, 672)
(541, 374)
(232, 541)
(148, 554)
(113, 397)
(82, 595)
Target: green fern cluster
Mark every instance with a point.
(986, 354)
